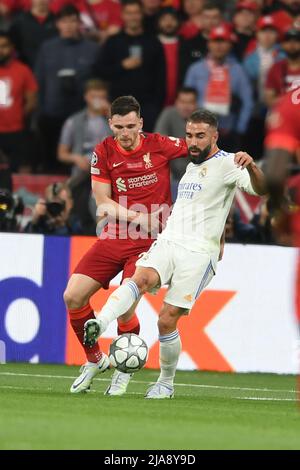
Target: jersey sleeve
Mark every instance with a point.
(99, 169)
(234, 176)
(173, 147)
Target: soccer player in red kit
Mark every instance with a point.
(131, 184)
(283, 147)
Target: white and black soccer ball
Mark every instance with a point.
(128, 353)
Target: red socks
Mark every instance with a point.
(131, 326)
(78, 317)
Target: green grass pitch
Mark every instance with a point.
(209, 411)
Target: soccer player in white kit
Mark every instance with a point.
(186, 253)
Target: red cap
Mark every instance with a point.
(222, 32)
(247, 5)
(266, 22)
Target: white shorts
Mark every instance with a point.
(186, 272)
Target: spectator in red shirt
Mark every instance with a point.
(286, 72)
(18, 93)
(244, 22)
(168, 25)
(192, 26)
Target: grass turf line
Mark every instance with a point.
(210, 411)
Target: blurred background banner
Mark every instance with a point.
(244, 322)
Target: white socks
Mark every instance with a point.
(118, 303)
(170, 348)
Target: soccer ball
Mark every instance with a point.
(128, 353)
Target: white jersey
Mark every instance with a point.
(205, 196)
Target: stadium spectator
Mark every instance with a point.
(54, 215)
(31, 29)
(223, 87)
(266, 53)
(99, 18)
(192, 26)
(196, 48)
(6, 14)
(257, 65)
(285, 13)
(80, 134)
(63, 66)
(285, 73)
(172, 121)
(168, 25)
(151, 10)
(258, 230)
(244, 21)
(133, 62)
(18, 93)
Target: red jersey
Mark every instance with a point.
(188, 30)
(171, 49)
(283, 132)
(141, 176)
(280, 78)
(16, 79)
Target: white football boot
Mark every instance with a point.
(119, 384)
(88, 372)
(160, 391)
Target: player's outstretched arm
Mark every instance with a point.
(258, 181)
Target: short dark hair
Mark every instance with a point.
(126, 3)
(203, 115)
(67, 10)
(187, 89)
(168, 11)
(95, 84)
(125, 105)
(212, 6)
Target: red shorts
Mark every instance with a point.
(107, 258)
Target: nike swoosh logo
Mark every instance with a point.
(117, 164)
(77, 385)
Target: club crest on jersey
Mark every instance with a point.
(147, 160)
(203, 172)
(94, 159)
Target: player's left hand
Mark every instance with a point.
(242, 160)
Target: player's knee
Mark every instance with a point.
(73, 299)
(144, 283)
(168, 319)
(145, 279)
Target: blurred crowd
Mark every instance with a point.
(63, 61)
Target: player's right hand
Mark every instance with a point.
(150, 223)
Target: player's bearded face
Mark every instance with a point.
(200, 139)
(197, 155)
(126, 129)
